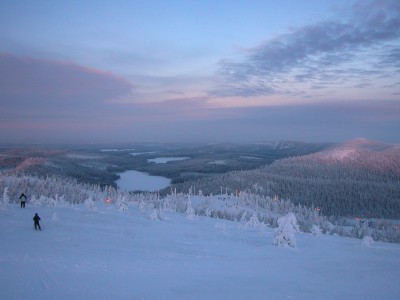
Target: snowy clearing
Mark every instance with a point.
(164, 160)
(112, 254)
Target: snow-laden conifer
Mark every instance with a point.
(6, 198)
(284, 234)
(41, 201)
(316, 230)
(367, 241)
(121, 203)
(208, 212)
(156, 215)
(254, 221)
(142, 206)
(243, 217)
(190, 213)
(90, 204)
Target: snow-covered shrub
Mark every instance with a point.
(327, 227)
(61, 202)
(142, 206)
(51, 202)
(284, 234)
(56, 201)
(41, 201)
(190, 213)
(90, 204)
(316, 230)
(33, 200)
(121, 203)
(6, 198)
(156, 215)
(360, 229)
(208, 212)
(367, 241)
(243, 218)
(145, 206)
(254, 221)
(168, 203)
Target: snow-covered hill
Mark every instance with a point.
(359, 178)
(112, 254)
(362, 152)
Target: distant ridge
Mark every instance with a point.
(361, 152)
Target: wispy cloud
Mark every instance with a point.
(364, 46)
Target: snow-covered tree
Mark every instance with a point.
(316, 230)
(284, 234)
(360, 229)
(33, 200)
(57, 201)
(208, 212)
(90, 204)
(52, 202)
(367, 241)
(121, 203)
(190, 213)
(156, 215)
(254, 221)
(6, 198)
(243, 218)
(41, 201)
(142, 206)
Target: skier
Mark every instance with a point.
(36, 220)
(22, 198)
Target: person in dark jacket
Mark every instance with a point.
(36, 220)
(22, 198)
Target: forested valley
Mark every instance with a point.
(332, 186)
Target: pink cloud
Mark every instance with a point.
(30, 81)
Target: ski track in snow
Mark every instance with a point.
(110, 254)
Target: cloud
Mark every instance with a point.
(41, 86)
(194, 120)
(329, 121)
(329, 52)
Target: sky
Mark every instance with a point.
(199, 71)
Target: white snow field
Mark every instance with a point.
(112, 254)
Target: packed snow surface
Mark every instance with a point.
(112, 254)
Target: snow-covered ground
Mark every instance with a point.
(112, 254)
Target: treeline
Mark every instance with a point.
(245, 207)
(47, 186)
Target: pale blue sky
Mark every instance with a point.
(199, 70)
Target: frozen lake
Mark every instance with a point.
(164, 160)
(134, 180)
